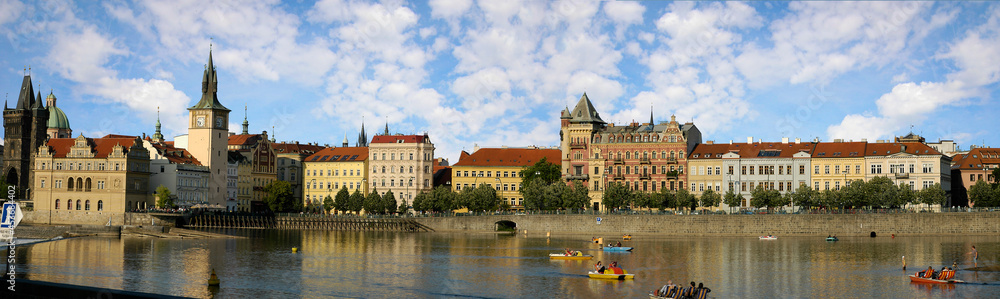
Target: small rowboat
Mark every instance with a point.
(768, 237)
(616, 248)
(563, 256)
(627, 237)
(917, 279)
(832, 239)
(595, 274)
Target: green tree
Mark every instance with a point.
(373, 203)
(164, 199)
(996, 176)
(668, 199)
(684, 198)
(534, 194)
(328, 204)
(982, 194)
(906, 195)
(805, 197)
(853, 194)
(402, 208)
(616, 196)
(781, 200)
(710, 199)
(342, 201)
(279, 197)
(830, 198)
(576, 197)
(733, 200)
(419, 202)
(759, 197)
(443, 199)
(553, 194)
(933, 195)
(544, 170)
(356, 202)
(881, 192)
(388, 203)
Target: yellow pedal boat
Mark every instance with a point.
(563, 256)
(595, 274)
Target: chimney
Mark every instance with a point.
(730, 141)
(760, 140)
(784, 140)
(750, 139)
(798, 140)
(902, 148)
(710, 142)
(838, 140)
(865, 140)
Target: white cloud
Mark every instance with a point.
(624, 12)
(449, 8)
(10, 10)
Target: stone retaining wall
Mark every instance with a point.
(981, 223)
(88, 218)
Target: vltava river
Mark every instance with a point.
(480, 265)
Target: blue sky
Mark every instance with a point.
(493, 73)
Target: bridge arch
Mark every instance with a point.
(505, 225)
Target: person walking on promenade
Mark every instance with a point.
(975, 256)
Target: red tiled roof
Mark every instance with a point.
(978, 158)
(244, 139)
(397, 138)
(509, 157)
(339, 154)
(885, 149)
(120, 136)
(750, 150)
(307, 149)
(175, 155)
(101, 147)
(839, 150)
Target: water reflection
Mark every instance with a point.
(389, 264)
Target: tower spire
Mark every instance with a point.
(157, 137)
(246, 124)
(362, 137)
(210, 88)
(651, 115)
(386, 126)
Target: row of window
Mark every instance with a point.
(649, 186)
(402, 169)
(512, 174)
(85, 206)
(392, 156)
(628, 138)
(78, 166)
(617, 170)
(334, 185)
(392, 183)
(505, 187)
(333, 172)
(645, 155)
(79, 184)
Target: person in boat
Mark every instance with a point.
(599, 268)
(663, 292)
(569, 252)
(701, 292)
(929, 273)
(619, 244)
(688, 292)
(828, 236)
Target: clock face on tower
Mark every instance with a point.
(200, 122)
(218, 122)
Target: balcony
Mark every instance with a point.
(577, 145)
(644, 176)
(619, 177)
(902, 176)
(671, 160)
(672, 174)
(644, 161)
(572, 177)
(618, 161)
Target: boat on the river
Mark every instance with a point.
(768, 237)
(611, 274)
(832, 239)
(945, 277)
(627, 237)
(575, 256)
(617, 248)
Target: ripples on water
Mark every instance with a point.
(422, 265)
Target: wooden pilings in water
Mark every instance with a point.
(307, 222)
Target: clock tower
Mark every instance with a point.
(208, 135)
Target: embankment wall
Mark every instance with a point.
(88, 218)
(980, 223)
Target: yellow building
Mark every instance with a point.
(705, 169)
(498, 168)
(836, 163)
(330, 169)
(91, 175)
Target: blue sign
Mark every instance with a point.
(9, 214)
(598, 220)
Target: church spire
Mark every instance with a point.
(209, 88)
(651, 115)
(362, 137)
(246, 124)
(157, 137)
(386, 126)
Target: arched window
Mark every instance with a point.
(645, 155)
(57, 204)
(79, 184)
(383, 169)
(100, 205)
(411, 156)
(88, 185)
(69, 184)
(69, 204)
(663, 154)
(77, 204)
(411, 168)
(88, 205)
(637, 154)
(628, 155)
(672, 155)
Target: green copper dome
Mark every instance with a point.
(57, 119)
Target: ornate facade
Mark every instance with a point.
(334, 168)
(401, 164)
(25, 128)
(644, 157)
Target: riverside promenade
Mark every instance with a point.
(901, 224)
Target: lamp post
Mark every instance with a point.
(501, 190)
(405, 199)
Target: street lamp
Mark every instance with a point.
(501, 190)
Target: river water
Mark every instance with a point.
(485, 265)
